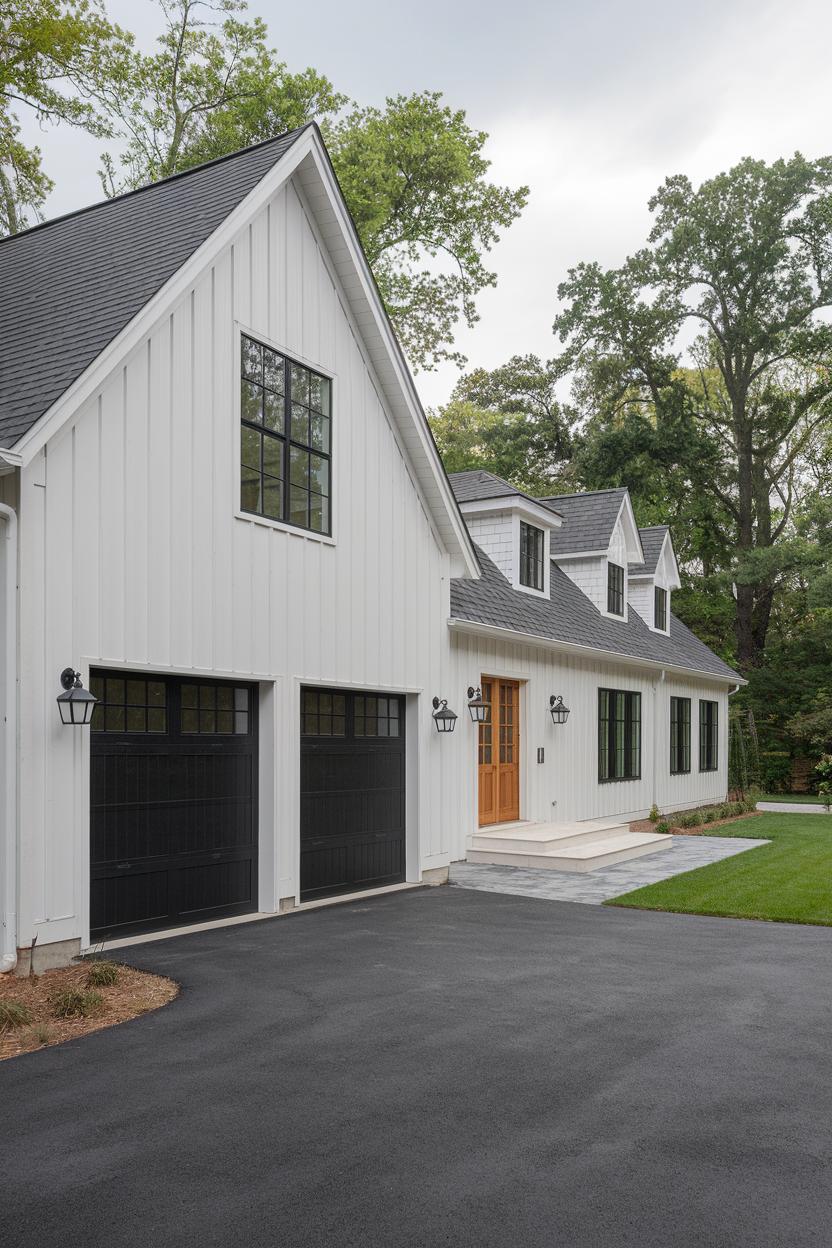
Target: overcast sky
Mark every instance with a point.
(590, 104)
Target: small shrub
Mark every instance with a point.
(41, 1033)
(695, 818)
(102, 974)
(825, 793)
(655, 814)
(74, 1003)
(13, 1014)
(737, 808)
(708, 814)
(662, 827)
(688, 819)
(724, 811)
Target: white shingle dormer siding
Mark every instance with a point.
(658, 570)
(495, 514)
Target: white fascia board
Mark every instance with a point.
(632, 537)
(510, 635)
(362, 291)
(564, 557)
(524, 507)
(166, 296)
(674, 580)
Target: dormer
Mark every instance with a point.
(511, 528)
(597, 543)
(653, 580)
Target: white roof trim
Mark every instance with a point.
(513, 502)
(572, 647)
(399, 390)
(635, 550)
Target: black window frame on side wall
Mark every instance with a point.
(615, 589)
(531, 556)
(660, 596)
(708, 735)
(680, 734)
(619, 707)
(286, 414)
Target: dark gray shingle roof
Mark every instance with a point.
(652, 540)
(71, 285)
(569, 616)
(588, 519)
(477, 484)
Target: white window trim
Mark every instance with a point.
(611, 615)
(282, 526)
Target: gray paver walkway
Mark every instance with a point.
(594, 887)
(792, 808)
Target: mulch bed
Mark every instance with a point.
(702, 829)
(134, 993)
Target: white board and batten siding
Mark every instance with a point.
(565, 786)
(133, 554)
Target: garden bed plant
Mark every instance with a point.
(41, 1010)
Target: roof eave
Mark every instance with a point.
(476, 628)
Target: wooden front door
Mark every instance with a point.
(499, 753)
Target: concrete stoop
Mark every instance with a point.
(563, 846)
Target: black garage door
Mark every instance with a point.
(352, 801)
(173, 818)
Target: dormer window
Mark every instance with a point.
(615, 589)
(531, 556)
(660, 608)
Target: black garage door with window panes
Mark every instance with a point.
(352, 801)
(173, 802)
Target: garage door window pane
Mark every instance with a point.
(376, 717)
(123, 704)
(323, 714)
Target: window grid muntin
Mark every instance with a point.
(213, 710)
(323, 714)
(615, 589)
(305, 399)
(660, 608)
(129, 704)
(375, 716)
(531, 556)
(708, 735)
(619, 735)
(679, 736)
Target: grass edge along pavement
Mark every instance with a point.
(787, 881)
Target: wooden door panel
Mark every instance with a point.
(499, 753)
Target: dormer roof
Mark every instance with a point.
(589, 520)
(655, 541)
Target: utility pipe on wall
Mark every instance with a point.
(8, 848)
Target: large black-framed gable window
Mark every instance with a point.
(660, 608)
(286, 439)
(615, 589)
(708, 736)
(679, 735)
(531, 556)
(619, 735)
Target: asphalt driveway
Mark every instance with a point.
(442, 1067)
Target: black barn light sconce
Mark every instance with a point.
(76, 703)
(480, 711)
(560, 712)
(444, 718)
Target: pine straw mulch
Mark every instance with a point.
(134, 993)
(702, 829)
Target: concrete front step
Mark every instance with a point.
(603, 847)
(540, 838)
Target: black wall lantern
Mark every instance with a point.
(444, 719)
(76, 703)
(560, 713)
(480, 711)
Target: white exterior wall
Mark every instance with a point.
(590, 575)
(641, 599)
(132, 555)
(565, 786)
(495, 535)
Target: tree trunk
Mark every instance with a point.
(9, 218)
(747, 653)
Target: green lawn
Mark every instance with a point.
(787, 881)
(807, 799)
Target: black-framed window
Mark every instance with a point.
(531, 556)
(679, 735)
(285, 439)
(708, 735)
(660, 608)
(615, 589)
(619, 735)
(213, 710)
(129, 704)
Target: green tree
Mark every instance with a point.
(213, 86)
(508, 421)
(415, 180)
(747, 258)
(413, 173)
(54, 59)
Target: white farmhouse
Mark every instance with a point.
(225, 517)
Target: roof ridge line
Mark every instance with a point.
(147, 186)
